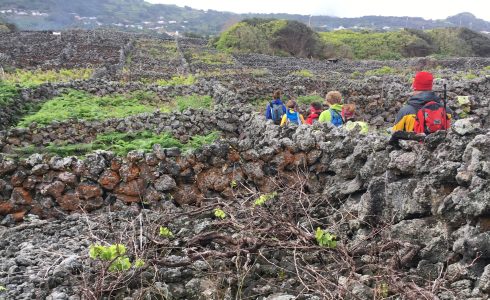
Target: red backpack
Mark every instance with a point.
(430, 118)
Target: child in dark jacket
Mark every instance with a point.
(275, 109)
(315, 111)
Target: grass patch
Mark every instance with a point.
(309, 99)
(7, 93)
(194, 102)
(122, 143)
(212, 58)
(84, 106)
(303, 73)
(385, 70)
(356, 74)
(159, 50)
(177, 80)
(470, 75)
(27, 78)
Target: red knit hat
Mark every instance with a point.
(423, 81)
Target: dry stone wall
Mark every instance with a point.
(417, 209)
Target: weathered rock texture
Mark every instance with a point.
(411, 220)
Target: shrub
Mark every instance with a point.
(367, 44)
(269, 36)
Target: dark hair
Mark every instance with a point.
(277, 94)
(292, 104)
(316, 105)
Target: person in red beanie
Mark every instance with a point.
(422, 94)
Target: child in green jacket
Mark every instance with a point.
(333, 114)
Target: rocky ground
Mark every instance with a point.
(308, 212)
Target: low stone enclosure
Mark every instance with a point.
(264, 212)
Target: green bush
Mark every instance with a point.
(194, 101)
(368, 44)
(84, 106)
(269, 36)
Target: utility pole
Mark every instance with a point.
(309, 21)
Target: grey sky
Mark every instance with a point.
(428, 9)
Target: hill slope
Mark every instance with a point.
(293, 38)
(138, 14)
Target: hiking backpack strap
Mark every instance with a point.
(337, 116)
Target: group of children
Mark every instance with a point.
(335, 112)
(424, 113)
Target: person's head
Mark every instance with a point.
(333, 97)
(315, 106)
(348, 111)
(277, 94)
(291, 105)
(422, 82)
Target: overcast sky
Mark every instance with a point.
(428, 9)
